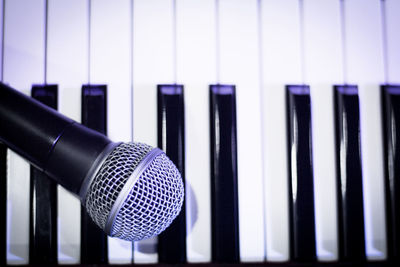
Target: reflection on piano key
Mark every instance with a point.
(391, 146)
(323, 68)
(365, 68)
(67, 54)
(239, 64)
(43, 198)
(94, 116)
(23, 66)
(171, 139)
(153, 63)
(301, 185)
(349, 174)
(224, 176)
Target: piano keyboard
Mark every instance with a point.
(282, 116)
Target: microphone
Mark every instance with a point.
(130, 190)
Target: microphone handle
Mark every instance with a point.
(64, 149)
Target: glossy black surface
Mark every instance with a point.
(301, 185)
(54, 140)
(171, 138)
(43, 198)
(224, 189)
(22, 116)
(3, 203)
(94, 116)
(349, 174)
(391, 145)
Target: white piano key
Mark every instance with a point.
(153, 63)
(67, 54)
(196, 69)
(23, 65)
(393, 40)
(365, 68)
(110, 55)
(239, 65)
(280, 39)
(323, 69)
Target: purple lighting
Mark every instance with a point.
(175, 89)
(299, 89)
(347, 89)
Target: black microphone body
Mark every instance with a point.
(116, 182)
(62, 148)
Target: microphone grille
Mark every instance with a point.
(111, 178)
(136, 193)
(153, 202)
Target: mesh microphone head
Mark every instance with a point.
(136, 193)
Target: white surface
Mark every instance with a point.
(196, 69)
(152, 65)
(110, 55)
(393, 38)
(281, 65)
(23, 66)
(68, 67)
(365, 68)
(323, 69)
(239, 65)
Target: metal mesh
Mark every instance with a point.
(152, 203)
(110, 179)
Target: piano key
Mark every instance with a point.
(3, 167)
(224, 174)
(349, 174)
(238, 51)
(391, 124)
(280, 46)
(391, 25)
(366, 69)
(24, 27)
(3, 203)
(43, 198)
(196, 69)
(111, 64)
(301, 185)
(2, 11)
(67, 55)
(390, 104)
(153, 63)
(322, 68)
(171, 139)
(94, 116)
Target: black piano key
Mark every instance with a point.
(224, 179)
(349, 174)
(94, 116)
(43, 198)
(301, 185)
(171, 138)
(3, 204)
(391, 137)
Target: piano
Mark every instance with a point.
(282, 115)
